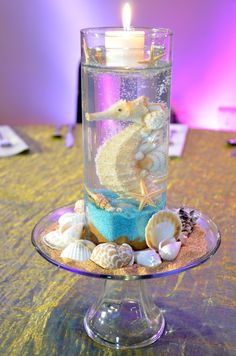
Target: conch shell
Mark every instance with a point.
(162, 226)
(110, 255)
(101, 201)
(80, 250)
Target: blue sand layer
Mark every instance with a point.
(130, 222)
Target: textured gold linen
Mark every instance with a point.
(42, 308)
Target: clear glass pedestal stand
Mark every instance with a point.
(125, 315)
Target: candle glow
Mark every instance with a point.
(126, 17)
(124, 48)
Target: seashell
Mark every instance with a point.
(158, 159)
(162, 226)
(79, 206)
(145, 133)
(100, 200)
(182, 238)
(155, 120)
(80, 250)
(169, 249)
(69, 219)
(54, 240)
(147, 147)
(147, 258)
(110, 255)
(74, 232)
(146, 163)
(188, 220)
(139, 155)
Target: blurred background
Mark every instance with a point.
(40, 55)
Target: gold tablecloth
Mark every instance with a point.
(42, 308)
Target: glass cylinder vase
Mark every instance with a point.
(126, 79)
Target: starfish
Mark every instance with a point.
(145, 198)
(86, 51)
(152, 60)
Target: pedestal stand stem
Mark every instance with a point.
(124, 316)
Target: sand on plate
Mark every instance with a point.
(194, 248)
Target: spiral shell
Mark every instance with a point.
(100, 200)
(111, 255)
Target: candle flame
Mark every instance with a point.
(126, 16)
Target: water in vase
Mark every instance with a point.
(126, 137)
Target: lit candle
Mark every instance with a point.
(124, 48)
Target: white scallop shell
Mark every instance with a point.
(79, 206)
(74, 232)
(54, 240)
(169, 249)
(68, 219)
(162, 226)
(80, 250)
(147, 258)
(111, 255)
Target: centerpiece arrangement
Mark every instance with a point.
(122, 229)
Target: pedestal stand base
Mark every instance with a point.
(124, 316)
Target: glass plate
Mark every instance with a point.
(212, 237)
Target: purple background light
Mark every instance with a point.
(40, 49)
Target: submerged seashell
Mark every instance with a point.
(147, 147)
(111, 255)
(147, 258)
(169, 249)
(100, 200)
(139, 155)
(70, 219)
(162, 226)
(79, 206)
(80, 250)
(158, 159)
(155, 119)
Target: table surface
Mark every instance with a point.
(42, 308)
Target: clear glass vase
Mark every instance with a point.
(126, 79)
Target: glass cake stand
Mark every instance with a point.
(124, 316)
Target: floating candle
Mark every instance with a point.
(124, 48)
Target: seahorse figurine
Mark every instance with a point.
(135, 152)
(122, 110)
(139, 111)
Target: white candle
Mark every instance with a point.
(124, 48)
